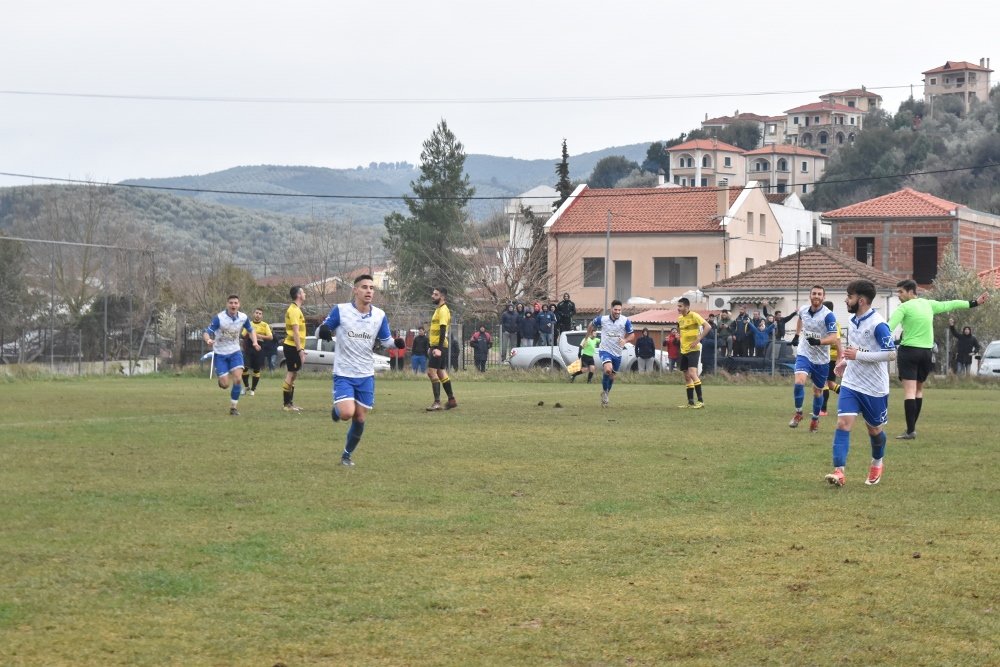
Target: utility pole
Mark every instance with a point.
(607, 260)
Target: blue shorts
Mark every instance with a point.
(359, 390)
(226, 362)
(818, 372)
(606, 357)
(874, 409)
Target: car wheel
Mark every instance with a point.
(543, 363)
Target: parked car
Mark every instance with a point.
(783, 365)
(320, 354)
(566, 351)
(989, 361)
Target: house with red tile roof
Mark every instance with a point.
(857, 98)
(963, 80)
(786, 168)
(658, 243)
(824, 126)
(784, 285)
(907, 232)
(707, 163)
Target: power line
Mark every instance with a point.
(421, 100)
(608, 194)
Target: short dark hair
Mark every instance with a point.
(908, 285)
(820, 287)
(865, 288)
(233, 296)
(616, 302)
(686, 301)
(363, 276)
(293, 293)
(442, 290)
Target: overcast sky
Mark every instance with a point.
(338, 84)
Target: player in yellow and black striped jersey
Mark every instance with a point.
(437, 366)
(254, 359)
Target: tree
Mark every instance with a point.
(743, 134)
(610, 170)
(953, 281)
(563, 185)
(424, 244)
(657, 158)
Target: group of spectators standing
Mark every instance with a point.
(747, 335)
(536, 324)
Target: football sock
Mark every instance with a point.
(841, 445)
(590, 376)
(256, 379)
(919, 402)
(606, 382)
(877, 463)
(436, 389)
(246, 379)
(234, 393)
(878, 445)
(447, 388)
(286, 393)
(826, 398)
(817, 406)
(690, 392)
(799, 392)
(697, 390)
(910, 410)
(353, 437)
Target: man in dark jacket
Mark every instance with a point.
(418, 352)
(508, 326)
(742, 335)
(529, 328)
(966, 345)
(565, 310)
(481, 343)
(645, 350)
(546, 319)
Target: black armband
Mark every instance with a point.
(973, 303)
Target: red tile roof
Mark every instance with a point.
(990, 278)
(642, 211)
(957, 66)
(825, 106)
(705, 145)
(784, 149)
(817, 265)
(854, 92)
(906, 203)
(732, 119)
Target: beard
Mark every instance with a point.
(853, 309)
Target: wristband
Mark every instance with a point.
(973, 303)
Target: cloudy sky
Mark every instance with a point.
(118, 89)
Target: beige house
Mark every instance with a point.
(824, 126)
(707, 163)
(963, 80)
(656, 243)
(856, 98)
(785, 168)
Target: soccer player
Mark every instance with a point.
(693, 328)
(295, 345)
(356, 324)
(223, 336)
(437, 366)
(831, 378)
(616, 332)
(812, 360)
(256, 357)
(864, 389)
(917, 345)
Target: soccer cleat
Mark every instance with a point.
(346, 461)
(796, 418)
(836, 478)
(433, 407)
(604, 399)
(251, 392)
(874, 475)
(234, 412)
(686, 405)
(289, 407)
(698, 405)
(907, 436)
(813, 425)
(823, 413)
(243, 391)
(451, 404)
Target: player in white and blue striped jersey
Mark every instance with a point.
(357, 324)
(864, 389)
(815, 331)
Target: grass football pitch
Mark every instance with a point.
(140, 524)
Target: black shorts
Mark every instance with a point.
(254, 359)
(586, 361)
(689, 360)
(293, 358)
(438, 363)
(914, 363)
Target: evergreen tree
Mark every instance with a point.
(610, 170)
(657, 158)
(563, 186)
(424, 244)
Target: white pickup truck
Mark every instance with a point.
(567, 350)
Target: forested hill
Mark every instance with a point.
(376, 186)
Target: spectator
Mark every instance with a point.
(780, 321)
(565, 312)
(528, 327)
(708, 351)
(418, 351)
(546, 320)
(481, 343)
(966, 345)
(725, 335)
(519, 310)
(509, 330)
(397, 353)
(673, 346)
(742, 335)
(645, 350)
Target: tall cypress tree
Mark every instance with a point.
(563, 186)
(423, 245)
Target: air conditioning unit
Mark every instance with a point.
(720, 303)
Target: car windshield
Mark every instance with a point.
(992, 351)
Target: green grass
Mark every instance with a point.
(141, 525)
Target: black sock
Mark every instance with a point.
(690, 393)
(447, 388)
(826, 398)
(697, 389)
(910, 409)
(590, 376)
(916, 416)
(256, 379)
(436, 388)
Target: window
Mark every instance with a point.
(850, 103)
(805, 167)
(864, 250)
(782, 165)
(795, 120)
(925, 259)
(704, 182)
(761, 165)
(728, 161)
(781, 188)
(675, 271)
(748, 264)
(706, 161)
(593, 272)
(762, 224)
(749, 223)
(816, 120)
(852, 120)
(933, 81)
(822, 137)
(805, 189)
